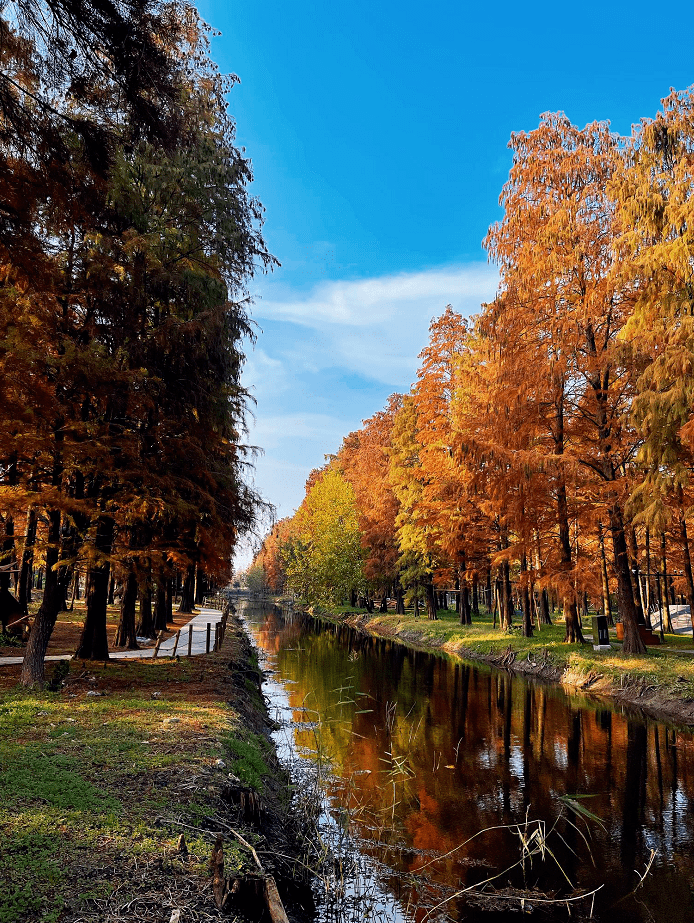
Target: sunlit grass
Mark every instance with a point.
(87, 782)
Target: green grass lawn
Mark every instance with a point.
(96, 789)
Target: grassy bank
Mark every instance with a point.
(99, 779)
(661, 681)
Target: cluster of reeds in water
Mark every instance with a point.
(355, 878)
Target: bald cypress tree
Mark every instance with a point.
(130, 279)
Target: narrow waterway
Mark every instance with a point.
(437, 770)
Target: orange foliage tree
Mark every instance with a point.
(566, 308)
(564, 412)
(364, 459)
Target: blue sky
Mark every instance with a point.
(378, 134)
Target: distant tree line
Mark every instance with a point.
(127, 239)
(544, 454)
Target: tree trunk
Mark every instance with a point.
(7, 561)
(633, 549)
(507, 596)
(112, 590)
(545, 617)
(94, 640)
(66, 586)
(24, 588)
(649, 589)
(430, 600)
(462, 605)
(160, 602)
(666, 620)
(33, 664)
(571, 620)
(501, 598)
(633, 643)
(640, 592)
(535, 601)
(687, 569)
(574, 634)
(75, 589)
(659, 596)
(525, 597)
(476, 594)
(200, 585)
(145, 626)
(399, 600)
(126, 636)
(188, 591)
(468, 607)
(527, 611)
(606, 608)
(169, 600)
(73, 536)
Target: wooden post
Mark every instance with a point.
(190, 640)
(216, 637)
(207, 643)
(160, 638)
(175, 648)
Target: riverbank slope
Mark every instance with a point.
(115, 785)
(660, 682)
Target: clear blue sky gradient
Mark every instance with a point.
(378, 134)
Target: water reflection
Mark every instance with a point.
(427, 752)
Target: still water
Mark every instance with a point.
(436, 770)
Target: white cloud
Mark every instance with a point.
(373, 327)
(272, 432)
(258, 363)
(367, 302)
(264, 372)
(325, 360)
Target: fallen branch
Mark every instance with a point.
(248, 846)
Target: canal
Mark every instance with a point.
(464, 791)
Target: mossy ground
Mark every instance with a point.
(95, 789)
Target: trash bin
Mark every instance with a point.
(601, 635)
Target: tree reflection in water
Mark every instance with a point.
(469, 749)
